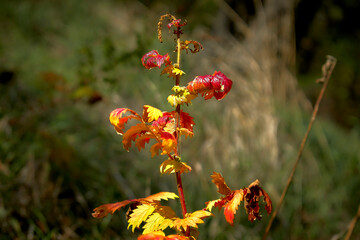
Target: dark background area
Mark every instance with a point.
(65, 65)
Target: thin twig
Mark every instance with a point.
(327, 69)
(352, 224)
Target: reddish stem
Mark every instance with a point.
(178, 110)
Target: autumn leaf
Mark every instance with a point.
(216, 85)
(168, 143)
(155, 149)
(219, 181)
(191, 220)
(177, 71)
(172, 165)
(151, 114)
(154, 59)
(161, 196)
(181, 95)
(133, 132)
(159, 220)
(159, 235)
(231, 206)
(196, 46)
(118, 121)
(139, 215)
(252, 196)
(105, 209)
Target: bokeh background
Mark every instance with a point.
(65, 65)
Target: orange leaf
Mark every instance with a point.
(155, 149)
(231, 207)
(153, 236)
(133, 133)
(142, 140)
(104, 210)
(168, 143)
(219, 181)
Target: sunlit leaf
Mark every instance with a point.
(151, 114)
(142, 140)
(168, 143)
(131, 134)
(182, 95)
(231, 207)
(219, 181)
(154, 59)
(191, 220)
(161, 196)
(140, 214)
(171, 166)
(177, 71)
(118, 121)
(159, 220)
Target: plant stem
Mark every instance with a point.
(177, 124)
(327, 69)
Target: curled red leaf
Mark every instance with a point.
(216, 85)
(177, 23)
(154, 59)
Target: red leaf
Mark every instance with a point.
(154, 59)
(216, 85)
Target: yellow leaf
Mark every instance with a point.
(159, 220)
(139, 215)
(177, 71)
(171, 166)
(192, 220)
(161, 196)
(210, 204)
(151, 114)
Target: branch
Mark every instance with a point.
(327, 69)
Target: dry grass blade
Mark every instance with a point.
(352, 224)
(327, 69)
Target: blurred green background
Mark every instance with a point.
(65, 65)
